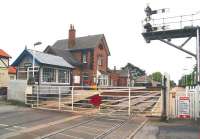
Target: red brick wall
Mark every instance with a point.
(114, 78)
(122, 81)
(87, 67)
(100, 52)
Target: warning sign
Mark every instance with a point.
(184, 107)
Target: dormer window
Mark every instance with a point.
(84, 57)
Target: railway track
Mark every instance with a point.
(95, 128)
(139, 102)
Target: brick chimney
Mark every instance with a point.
(72, 36)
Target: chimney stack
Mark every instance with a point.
(72, 36)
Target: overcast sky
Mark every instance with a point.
(24, 22)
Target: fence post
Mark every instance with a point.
(37, 96)
(196, 103)
(72, 98)
(129, 101)
(25, 99)
(59, 99)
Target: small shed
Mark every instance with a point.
(42, 68)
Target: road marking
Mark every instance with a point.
(26, 130)
(10, 129)
(21, 127)
(3, 125)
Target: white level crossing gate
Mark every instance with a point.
(113, 100)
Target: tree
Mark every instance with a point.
(156, 76)
(172, 83)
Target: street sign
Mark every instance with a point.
(184, 107)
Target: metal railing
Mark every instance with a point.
(113, 100)
(176, 22)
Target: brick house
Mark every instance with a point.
(126, 76)
(88, 54)
(119, 77)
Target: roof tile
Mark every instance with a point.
(4, 54)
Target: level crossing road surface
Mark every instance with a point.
(26, 123)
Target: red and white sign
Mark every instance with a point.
(184, 107)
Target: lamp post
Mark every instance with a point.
(33, 65)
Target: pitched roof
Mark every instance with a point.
(65, 54)
(44, 58)
(12, 70)
(86, 42)
(4, 54)
(134, 69)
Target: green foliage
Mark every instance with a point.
(188, 80)
(172, 83)
(156, 76)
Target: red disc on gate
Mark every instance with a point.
(95, 100)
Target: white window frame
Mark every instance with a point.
(67, 76)
(100, 61)
(55, 77)
(84, 57)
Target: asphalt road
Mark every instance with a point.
(14, 118)
(22, 123)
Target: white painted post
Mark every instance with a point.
(37, 96)
(187, 89)
(59, 99)
(196, 100)
(129, 101)
(25, 98)
(72, 95)
(198, 104)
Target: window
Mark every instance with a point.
(100, 61)
(85, 76)
(49, 75)
(64, 76)
(12, 77)
(103, 80)
(84, 57)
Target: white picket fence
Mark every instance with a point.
(194, 95)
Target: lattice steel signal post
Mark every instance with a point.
(166, 29)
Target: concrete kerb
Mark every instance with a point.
(12, 134)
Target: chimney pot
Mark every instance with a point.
(72, 36)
